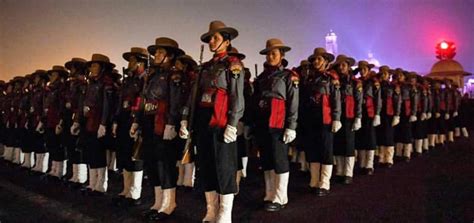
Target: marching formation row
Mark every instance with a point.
(169, 116)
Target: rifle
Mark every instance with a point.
(137, 146)
(256, 70)
(188, 146)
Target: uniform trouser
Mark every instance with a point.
(26, 149)
(94, 151)
(274, 152)
(216, 160)
(160, 161)
(57, 153)
(95, 157)
(318, 144)
(366, 143)
(124, 152)
(242, 145)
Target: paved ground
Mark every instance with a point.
(436, 187)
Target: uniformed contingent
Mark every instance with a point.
(183, 126)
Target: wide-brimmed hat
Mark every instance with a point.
(101, 59)
(43, 74)
(17, 79)
(275, 43)
(411, 74)
(187, 60)
(168, 44)
(218, 27)
(319, 51)
(60, 69)
(115, 75)
(234, 52)
(304, 63)
(343, 58)
(385, 68)
(139, 52)
(364, 63)
(397, 72)
(75, 61)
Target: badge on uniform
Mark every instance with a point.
(125, 104)
(295, 79)
(236, 68)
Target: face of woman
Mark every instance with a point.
(364, 71)
(179, 65)
(385, 76)
(161, 56)
(217, 44)
(94, 69)
(274, 57)
(401, 78)
(344, 67)
(132, 63)
(319, 63)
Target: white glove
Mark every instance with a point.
(376, 121)
(170, 132)
(336, 125)
(230, 134)
(39, 128)
(455, 114)
(134, 131)
(396, 120)
(8, 125)
(59, 129)
(247, 132)
(289, 135)
(183, 130)
(114, 130)
(101, 132)
(413, 118)
(446, 116)
(437, 115)
(240, 128)
(423, 116)
(428, 116)
(357, 124)
(75, 129)
(26, 125)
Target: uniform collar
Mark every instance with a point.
(219, 56)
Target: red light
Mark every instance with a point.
(445, 50)
(444, 45)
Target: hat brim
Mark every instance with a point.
(106, 64)
(238, 55)
(71, 63)
(282, 48)
(206, 37)
(349, 60)
(41, 75)
(188, 61)
(126, 56)
(329, 57)
(177, 51)
(61, 73)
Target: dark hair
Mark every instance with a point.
(225, 36)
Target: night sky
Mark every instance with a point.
(401, 33)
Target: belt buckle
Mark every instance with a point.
(149, 107)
